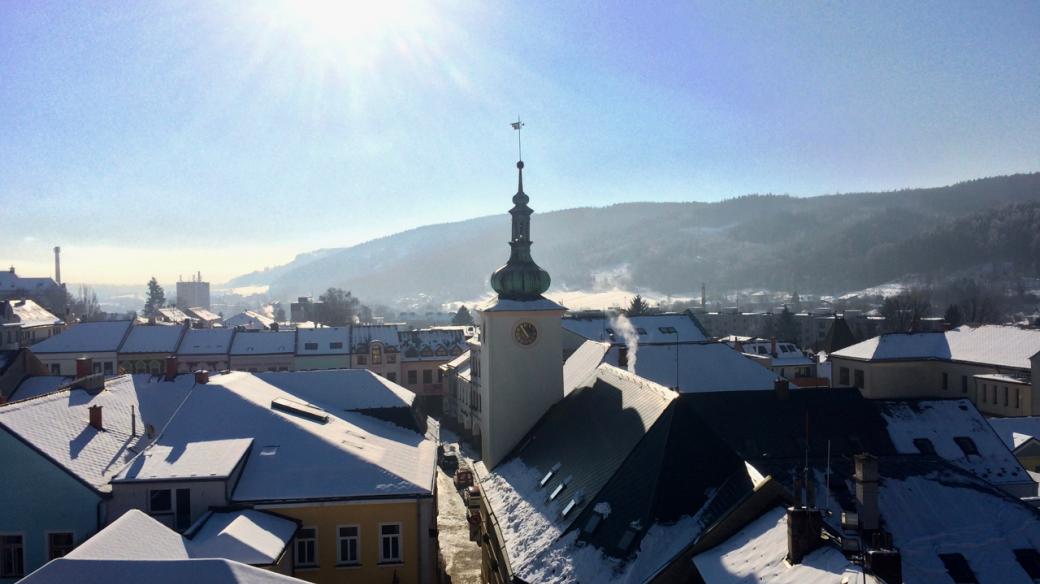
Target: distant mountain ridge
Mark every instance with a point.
(812, 244)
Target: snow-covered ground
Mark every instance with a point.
(460, 557)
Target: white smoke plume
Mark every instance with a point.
(623, 327)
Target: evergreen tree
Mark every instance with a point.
(338, 307)
(638, 307)
(462, 317)
(156, 298)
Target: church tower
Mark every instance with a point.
(521, 353)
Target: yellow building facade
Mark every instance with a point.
(364, 541)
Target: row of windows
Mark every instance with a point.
(12, 551)
(988, 396)
(843, 377)
(99, 367)
(348, 545)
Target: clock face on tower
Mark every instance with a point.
(525, 333)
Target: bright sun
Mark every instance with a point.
(352, 32)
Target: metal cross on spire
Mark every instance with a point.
(516, 126)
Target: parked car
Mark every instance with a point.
(448, 459)
(463, 478)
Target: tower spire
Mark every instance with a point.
(520, 278)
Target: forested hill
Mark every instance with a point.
(814, 244)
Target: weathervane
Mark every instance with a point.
(516, 126)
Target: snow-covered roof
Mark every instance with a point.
(211, 459)
(701, 367)
(196, 571)
(413, 343)
(297, 457)
(202, 314)
(38, 385)
(1014, 431)
(651, 328)
(582, 364)
(249, 319)
(10, 281)
(459, 361)
(216, 341)
(497, 304)
(174, 314)
(946, 512)
(28, 313)
(133, 536)
(362, 335)
(264, 343)
(323, 341)
(943, 423)
(56, 424)
(86, 337)
(152, 339)
(758, 553)
(341, 389)
(578, 447)
(1002, 346)
(247, 536)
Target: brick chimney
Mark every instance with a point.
(803, 532)
(772, 346)
(782, 387)
(84, 367)
(202, 377)
(867, 492)
(171, 368)
(95, 418)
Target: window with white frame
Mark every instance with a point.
(348, 545)
(306, 547)
(12, 556)
(390, 543)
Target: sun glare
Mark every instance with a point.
(350, 32)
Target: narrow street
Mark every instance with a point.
(459, 557)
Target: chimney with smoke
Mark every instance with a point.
(624, 327)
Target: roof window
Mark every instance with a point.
(1029, 559)
(559, 489)
(595, 519)
(967, 445)
(548, 476)
(310, 346)
(640, 330)
(610, 331)
(924, 446)
(958, 569)
(668, 330)
(574, 502)
(269, 450)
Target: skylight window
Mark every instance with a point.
(967, 445)
(548, 476)
(577, 500)
(668, 330)
(559, 489)
(924, 446)
(640, 330)
(594, 520)
(958, 569)
(269, 450)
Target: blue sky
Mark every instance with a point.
(168, 137)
